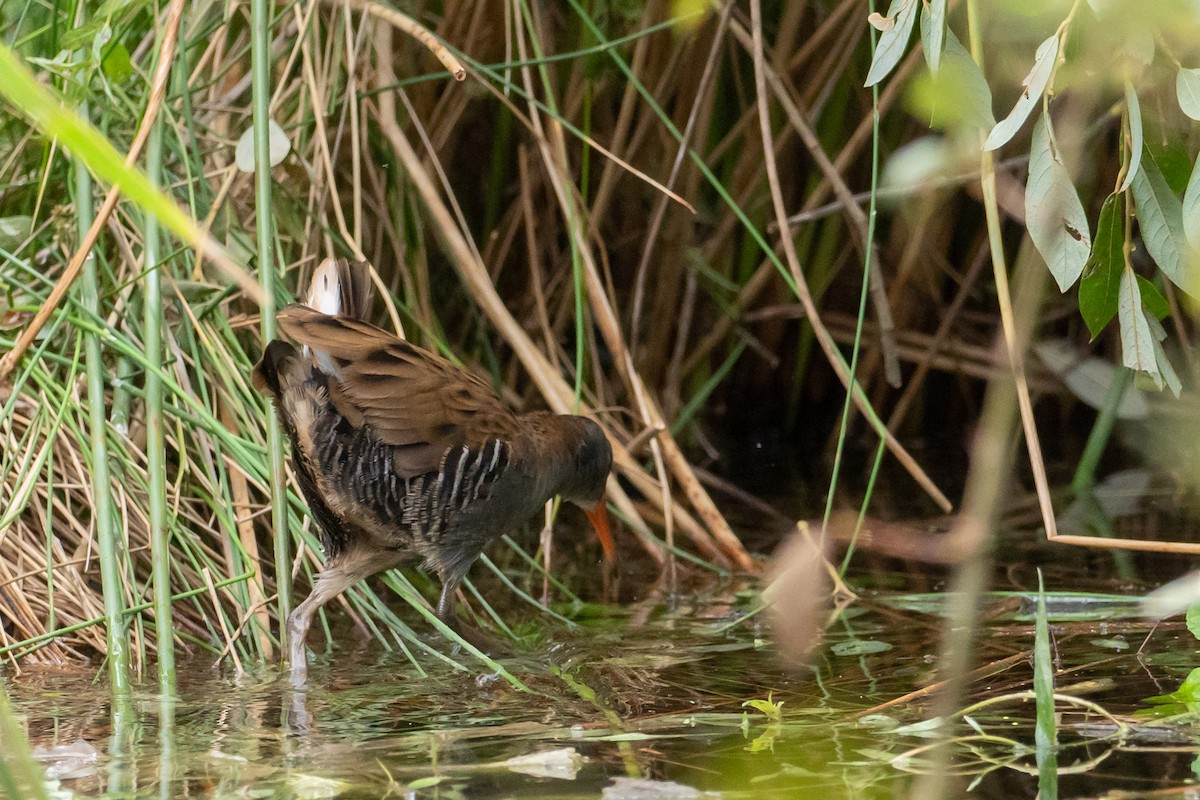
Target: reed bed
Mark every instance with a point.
(590, 216)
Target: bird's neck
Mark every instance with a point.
(550, 442)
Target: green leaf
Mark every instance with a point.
(117, 66)
(1193, 621)
(111, 8)
(14, 230)
(1033, 87)
(1135, 135)
(100, 19)
(1102, 275)
(860, 647)
(425, 783)
(957, 94)
(1169, 376)
(1153, 299)
(1170, 155)
(1187, 89)
(1191, 208)
(1160, 215)
(1137, 343)
(1056, 220)
(1188, 692)
(933, 33)
(1190, 688)
(101, 40)
(773, 710)
(83, 34)
(892, 42)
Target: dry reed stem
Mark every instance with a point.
(321, 141)
(953, 355)
(243, 521)
(978, 674)
(229, 650)
(410, 26)
(656, 451)
(940, 339)
(1117, 543)
(1015, 343)
(610, 328)
(765, 272)
(536, 282)
(591, 142)
(620, 138)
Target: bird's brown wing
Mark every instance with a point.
(418, 403)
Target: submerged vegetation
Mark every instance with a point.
(585, 202)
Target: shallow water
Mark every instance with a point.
(645, 703)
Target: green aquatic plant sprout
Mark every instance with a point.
(1184, 701)
(770, 708)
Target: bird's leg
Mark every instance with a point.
(445, 612)
(348, 569)
(446, 603)
(298, 623)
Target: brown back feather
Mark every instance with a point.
(417, 402)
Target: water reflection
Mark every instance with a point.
(166, 745)
(653, 694)
(122, 751)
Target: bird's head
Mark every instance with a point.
(587, 474)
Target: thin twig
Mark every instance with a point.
(410, 26)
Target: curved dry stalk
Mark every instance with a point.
(410, 26)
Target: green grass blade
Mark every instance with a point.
(156, 469)
(261, 63)
(1046, 731)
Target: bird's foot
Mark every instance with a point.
(297, 656)
(483, 641)
(299, 673)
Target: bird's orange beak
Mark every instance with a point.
(598, 516)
